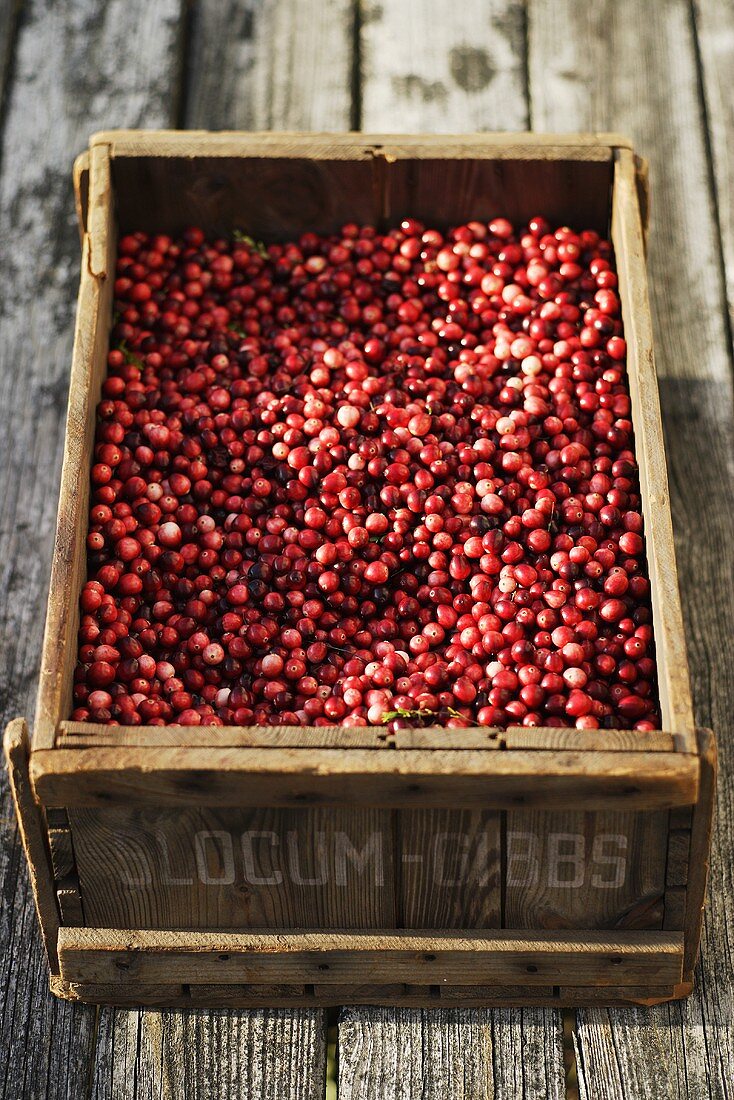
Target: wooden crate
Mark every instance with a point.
(280, 866)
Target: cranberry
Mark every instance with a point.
(363, 473)
(169, 534)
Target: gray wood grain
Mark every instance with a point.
(210, 1055)
(426, 66)
(714, 29)
(639, 75)
(467, 1054)
(75, 69)
(270, 65)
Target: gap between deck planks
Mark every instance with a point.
(643, 75)
(713, 30)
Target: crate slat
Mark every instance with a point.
(33, 837)
(628, 240)
(593, 958)
(271, 776)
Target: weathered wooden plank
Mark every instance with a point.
(81, 734)
(285, 65)
(229, 1053)
(344, 777)
(592, 147)
(666, 1050)
(284, 189)
(75, 68)
(628, 240)
(700, 851)
(316, 868)
(714, 29)
(338, 957)
(467, 1054)
(275, 65)
(389, 995)
(31, 828)
(91, 338)
(236, 868)
(424, 67)
(643, 75)
(585, 870)
(521, 737)
(448, 867)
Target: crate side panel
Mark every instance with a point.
(585, 870)
(450, 191)
(481, 779)
(672, 661)
(88, 368)
(448, 864)
(268, 197)
(68, 569)
(236, 868)
(342, 957)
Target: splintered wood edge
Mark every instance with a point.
(700, 850)
(32, 835)
(513, 779)
(628, 241)
(80, 175)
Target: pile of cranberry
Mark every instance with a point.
(365, 478)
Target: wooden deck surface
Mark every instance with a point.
(659, 71)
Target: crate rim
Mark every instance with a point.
(94, 195)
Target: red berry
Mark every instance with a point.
(374, 471)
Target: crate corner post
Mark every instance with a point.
(34, 836)
(700, 850)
